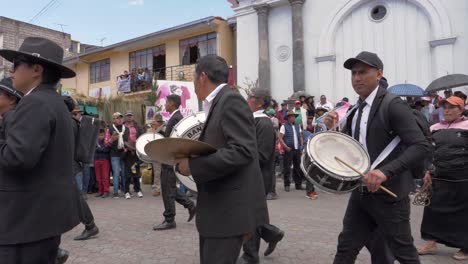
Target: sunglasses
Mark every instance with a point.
(21, 61)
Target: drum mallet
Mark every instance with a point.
(362, 174)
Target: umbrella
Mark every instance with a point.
(231, 80)
(406, 89)
(447, 82)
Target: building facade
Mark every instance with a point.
(302, 44)
(168, 54)
(13, 33)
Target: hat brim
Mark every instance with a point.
(11, 55)
(349, 63)
(9, 91)
(296, 115)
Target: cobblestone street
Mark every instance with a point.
(126, 234)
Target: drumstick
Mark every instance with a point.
(360, 173)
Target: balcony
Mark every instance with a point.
(141, 81)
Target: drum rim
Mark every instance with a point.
(193, 115)
(143, 156)
(321, 187)
(331, 173)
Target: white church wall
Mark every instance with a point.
(247, 49)
(280, 42)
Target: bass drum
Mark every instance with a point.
(141, 143)
(189, 127)
(320, 167)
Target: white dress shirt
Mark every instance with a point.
(364, 118)
(173, 113)
(30, 91)
(283, 131)
(209, 99)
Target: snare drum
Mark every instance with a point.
(189, 127)
(141, 143)
(320, 167)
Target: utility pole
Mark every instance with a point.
(61, 26)
(102, 41)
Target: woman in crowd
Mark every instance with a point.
(444, 219)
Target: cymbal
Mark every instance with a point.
(167, 150)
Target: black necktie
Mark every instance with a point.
(357, 129)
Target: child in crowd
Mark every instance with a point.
(102, 165)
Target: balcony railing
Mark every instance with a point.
(142, 81)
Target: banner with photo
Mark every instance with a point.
(149, 114)
(186, 91)
(101, 92)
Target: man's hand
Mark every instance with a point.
(374, 179)
(184, 167)
(331, 120)
(427, 178)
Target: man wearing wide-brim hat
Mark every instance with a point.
(37, 192)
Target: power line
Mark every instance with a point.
(43, 10)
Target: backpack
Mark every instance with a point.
(418, 169)
(86, 139)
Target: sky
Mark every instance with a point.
(112, 21)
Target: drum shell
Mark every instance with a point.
(141, 143)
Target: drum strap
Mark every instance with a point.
(387, 150)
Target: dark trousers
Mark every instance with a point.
(171, 194)
(268, 233)
(84, 213)
(220, 250)
(292, 157)
(379, 250)
(130, 177)
(365, 213)
(310, 188)
(38, 252)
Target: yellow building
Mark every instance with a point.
(168, 54)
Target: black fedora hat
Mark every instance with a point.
(42, 51)
(6, 85)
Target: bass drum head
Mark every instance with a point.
(323, 147)
(325, 182)
(189, 127)
(141, 143)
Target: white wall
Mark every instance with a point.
(280, 27)
(412, 61)
(247, 48)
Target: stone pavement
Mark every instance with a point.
(127, 236)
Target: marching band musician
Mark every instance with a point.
(231, 200)
(258, 101)
(169, 190)
(369, 208)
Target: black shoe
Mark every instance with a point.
(272, 245)
(87, 234)
(116, 196)
(191, 212)
(99, 195)
(286, 188)
(62, 256)
(165, 226)
(299, 187)
(105, 195)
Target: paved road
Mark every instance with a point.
(127, 237)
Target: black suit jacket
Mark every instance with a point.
(37, 190)
(175, 118)
(403, 124)
(231, 198)
(266, 139)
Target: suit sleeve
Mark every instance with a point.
(404, 124)
(265, 139)
(238, 128)
(28, 135)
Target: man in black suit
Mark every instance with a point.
(37, 192)
(169, 190)
(231, 198)
(258, 101)
(369, 208)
